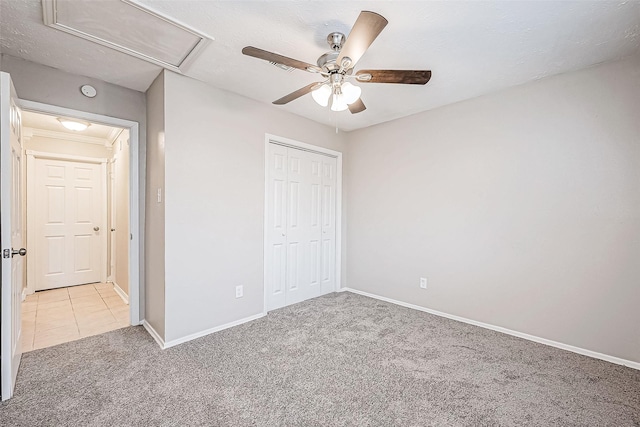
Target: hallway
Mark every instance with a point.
(66, 314)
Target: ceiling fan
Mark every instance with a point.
(337, 67)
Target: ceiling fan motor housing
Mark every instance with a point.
(328, 61)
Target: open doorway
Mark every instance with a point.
(77, 228)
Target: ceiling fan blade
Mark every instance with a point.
(364, 32)
(279, 59)
(408, 77)
(297, 94)
(357, 107)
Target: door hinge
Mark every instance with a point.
(6, 253)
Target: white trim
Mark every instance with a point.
(111, 220)
(24, 294)
(164, 345)
(31, 157)
(31, 269)
(279, 140)
(49, 12)
(212, 330)
(265, 243)
(134, 187)
(113, 136)
(562, 346)
(103, 219)
(67, 157)
(155, 335)
(43, 133)
(120, 293)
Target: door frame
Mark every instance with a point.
(111, 220)
(134, 190)
(291, 143)
(31, 156)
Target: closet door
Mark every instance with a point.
(276, 223)
(328, 221)
(300, 221)
(303, 225)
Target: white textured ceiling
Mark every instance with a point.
(472, 48)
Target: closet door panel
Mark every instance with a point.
(276, 222)
(328, 224)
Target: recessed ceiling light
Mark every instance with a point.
(75, 125)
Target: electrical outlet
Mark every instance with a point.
(423, 282)
(239, 291)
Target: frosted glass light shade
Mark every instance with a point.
(350, 92)
(321, 95)
(338, 103)
(74, 125)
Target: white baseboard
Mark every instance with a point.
(212, 330)
(153, 333)
(164, 345)
(121, 293)
(582, 351)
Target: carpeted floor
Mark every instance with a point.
(338, 360)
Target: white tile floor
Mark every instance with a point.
(67, 314)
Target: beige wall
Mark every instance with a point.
(154, 260)
(121, 189)
(215, 200)
(39, 83)
(521, 207)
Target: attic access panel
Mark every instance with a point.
(128, 27)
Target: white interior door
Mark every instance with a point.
(276, 264)
(301, 191)
(303, 225)
(67, 212)
(11, 236)
(328, 200)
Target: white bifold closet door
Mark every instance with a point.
(301, 231)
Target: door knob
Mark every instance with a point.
(21, 252)
(96, 228)
(113, 229)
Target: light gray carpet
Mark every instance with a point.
(338, 360)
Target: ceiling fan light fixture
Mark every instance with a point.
(321, 95)
(74, 125)
(350, 92)
(338, 103)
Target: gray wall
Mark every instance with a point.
(155, 212)
(521, 207)
(215, 200)
(39, 83)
